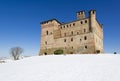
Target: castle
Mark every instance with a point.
(82, 36)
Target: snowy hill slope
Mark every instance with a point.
(63, 68)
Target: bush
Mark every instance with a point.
(58, 52)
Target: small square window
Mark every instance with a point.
(85, 38)
(64, 40)
(86, 47)
(84, 30)
(72, 33)
(80, 39)
(46, 42)
(73, 24)
(67, 26)
(72, 47)
(81, 22)
(85, 21)
(72, 39)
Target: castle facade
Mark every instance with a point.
(82, 36)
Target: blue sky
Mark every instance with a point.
(20, 21)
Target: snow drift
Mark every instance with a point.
(104, 67)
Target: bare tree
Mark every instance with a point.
(16, 52)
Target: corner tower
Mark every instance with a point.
(97, 29)
(47, 36)
(80, 15)
(92, 19)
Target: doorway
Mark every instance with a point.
(98, 51)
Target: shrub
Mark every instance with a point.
(58, 52)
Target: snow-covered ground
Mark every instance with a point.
(104, 67)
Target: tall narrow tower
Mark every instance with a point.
(92, 19)
(97, 30)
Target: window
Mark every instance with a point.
(72, 39)
(86, 47)
(64, 26)
(72, 47)
(85, 38)
(46, 42)
(70, 25)
(46, 32)
(81, 22)
(77, 33)
(67, 26)
(72, 33)
(84, 30)
(64, 40)
(80, 39)
(73, 24)
(85, 21)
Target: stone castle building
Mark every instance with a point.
(83, 36)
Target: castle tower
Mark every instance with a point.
(47, 35)
(97, 30)
(92, 19)
(80, 15)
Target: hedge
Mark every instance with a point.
(58, 52)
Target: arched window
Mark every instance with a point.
(46, 32)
